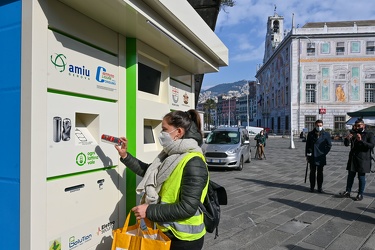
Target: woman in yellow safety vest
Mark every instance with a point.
(176, 181)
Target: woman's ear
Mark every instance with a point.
(180, 132)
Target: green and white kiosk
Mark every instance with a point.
(73, 70)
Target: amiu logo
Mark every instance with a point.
(82, 71)
(59, 62)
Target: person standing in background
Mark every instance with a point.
(362, 143)
(318, 145)
(261, 143)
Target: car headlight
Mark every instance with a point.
(232, 151)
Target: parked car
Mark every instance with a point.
(227, 147)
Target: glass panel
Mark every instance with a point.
(310, 122)
(148, 135)
(325, 72)
(325, 48)
(355, 47)
(370, 47)
(355, 72)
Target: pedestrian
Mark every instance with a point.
(362, 143)
(175, 183)
(318, 145)
(261, 143)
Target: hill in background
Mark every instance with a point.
(230, 89)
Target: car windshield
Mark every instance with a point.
(223, 137)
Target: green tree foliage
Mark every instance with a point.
(229, 3)
(208, 106)
(226, 3)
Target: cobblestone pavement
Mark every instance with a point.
(270, 206)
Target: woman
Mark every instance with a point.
(176, 182)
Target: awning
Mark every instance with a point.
(370, 111)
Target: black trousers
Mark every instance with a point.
(177, 244)
(316, 170)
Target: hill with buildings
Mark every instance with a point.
(229, 89)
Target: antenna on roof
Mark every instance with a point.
(274, 11)
(292, 20)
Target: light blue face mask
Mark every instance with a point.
(319, 128)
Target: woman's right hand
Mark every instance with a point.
(123, 149)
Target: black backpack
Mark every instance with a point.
(216, 196)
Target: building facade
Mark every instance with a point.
(235, 108)
(319, 71)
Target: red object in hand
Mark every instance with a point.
(111, 139)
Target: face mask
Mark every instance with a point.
(165, 138)
(319, 128)
(359, 130)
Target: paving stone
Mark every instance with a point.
(306, 246)
(346, 241)
(292, 226)
(326, 234)
(268, 241)
(361, 228)
(279, 219)
(309, 216)
(369, 244)
(267, 198)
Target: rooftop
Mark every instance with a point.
(340, 24)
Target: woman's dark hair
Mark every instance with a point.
(359, 120)
(183, 119)
(189, 120)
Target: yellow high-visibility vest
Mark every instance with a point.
(191, 228)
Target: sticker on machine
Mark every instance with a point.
(83, 137)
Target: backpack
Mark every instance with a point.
(216, 196)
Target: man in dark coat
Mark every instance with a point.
(362, 143)
(318, 144)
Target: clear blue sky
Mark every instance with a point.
(242, 29)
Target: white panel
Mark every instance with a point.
(83, 217)
(76, 24)
(79, 68)
(84, 150)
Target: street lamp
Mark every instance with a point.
(229, 112)
(228, 98)
(246, 90)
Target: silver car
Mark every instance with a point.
(227, 147)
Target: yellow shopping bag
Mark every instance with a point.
(133, 238)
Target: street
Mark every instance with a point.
(270, 206)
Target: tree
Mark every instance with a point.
(226, 3)
(208, 106)
(229, 3)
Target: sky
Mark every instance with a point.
(242, 28)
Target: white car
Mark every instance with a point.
(227, 147)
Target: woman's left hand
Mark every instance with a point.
(140, 211)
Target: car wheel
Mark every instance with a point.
(240, 167)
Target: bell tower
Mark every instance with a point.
(275, 34)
